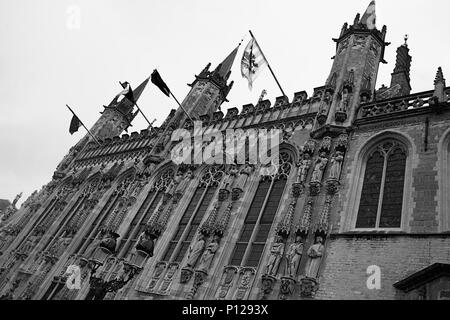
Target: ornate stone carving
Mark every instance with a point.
(267, 284)
(245, 280)
(199, 279)
(244, 173)
(293, 256)
(336, 165)
(305, 222)
(308, 287)
(168, 277)
(226, 283)
(157, 273)
(319, 168)
(276, 253)
(287, 287)
(285, 225)
(208, 255)
(315, 253)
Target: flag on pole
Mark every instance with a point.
(369, 18)
(253, 62)
(158, 81)
(75, 124)
(127, 92)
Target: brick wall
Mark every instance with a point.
(348, 257)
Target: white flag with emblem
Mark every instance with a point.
(252, 62)
(369, 17)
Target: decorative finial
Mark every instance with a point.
(439, 76)
(406, 40)
(263, 94)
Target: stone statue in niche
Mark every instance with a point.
(229, 177)
(276, 253)
(293, 256)
(319, 168)
(181, 187)
(303, 167)
(336, 165)
(208, 255)
(243, 176)
(315, 253)
(343, 105)
(146, 243)
(195, 250)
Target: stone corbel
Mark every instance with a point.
(267, 284)
(287, 287)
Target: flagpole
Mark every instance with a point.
(262, 53)
(181, 106)
(90, 133)
(139, 109)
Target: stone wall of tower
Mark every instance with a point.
(203, 99)
(356, 64)
(110, 124)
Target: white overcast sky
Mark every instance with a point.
(44, 64)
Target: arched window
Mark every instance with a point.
(381, 200)
(192, 217)
(148, 207)
(259, 219)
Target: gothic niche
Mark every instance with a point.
(345, 96)
(325, 106)
(309, 282)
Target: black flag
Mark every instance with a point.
(156, 80)
(127, 92)
(75, 124)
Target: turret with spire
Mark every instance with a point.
(401, 75)
(118, 115)
(359, 51)
(208, 91)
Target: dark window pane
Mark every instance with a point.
(139, 214)
(205, 203)
(370, 195)
(184, 220)
(192, 205)
(182, 252)
(238, 254)
(391, 211)
(273, 201)
(246, 233)
(255, 254)
(169, 251)
(263, 232)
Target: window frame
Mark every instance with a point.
(357, 181)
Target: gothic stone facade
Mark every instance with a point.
(363, 181)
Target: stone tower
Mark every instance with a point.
(117, 116)
(208, 91)
(359, 51)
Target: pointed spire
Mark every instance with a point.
(224, 69)
(439, 77)
(369, 17)
(125, 105)
(138, 91)
(439, 86)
